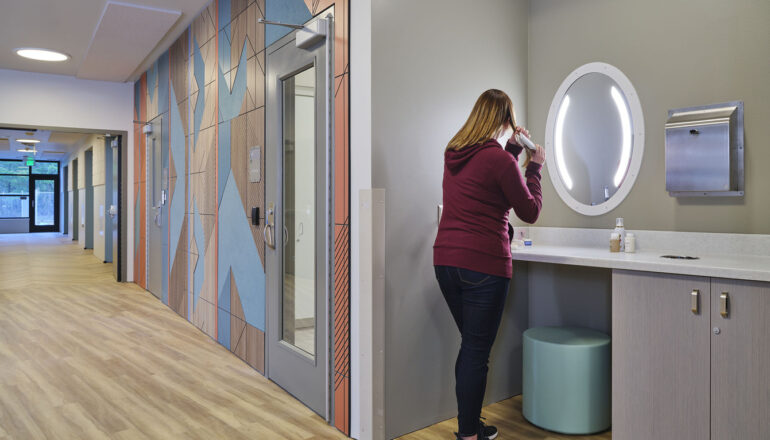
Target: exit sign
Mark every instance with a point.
(30, 161)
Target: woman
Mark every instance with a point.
(472, 254)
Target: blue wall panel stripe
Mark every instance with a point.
(152, 78)
(224, 157)
(285, 11)
(224, 293)
(224, 49)
(231, 101)
(200, 265)
(223, 328)
(241, 255)
(176, 145)
(224, 14)
(199, 71)
(163, 80)
(137, 97)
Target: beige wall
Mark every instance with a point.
(677, 54)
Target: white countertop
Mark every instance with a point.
(743, 267)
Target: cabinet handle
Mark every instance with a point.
(695, 304)
(724, 304)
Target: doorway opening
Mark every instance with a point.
(66, 180)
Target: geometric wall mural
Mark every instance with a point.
(209, 91)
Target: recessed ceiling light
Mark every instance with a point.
(26, 150)
(28, 141)
(41, 54)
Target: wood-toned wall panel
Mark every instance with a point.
(203, 189)
(179, 54)
(255, 348)
(177, 292)
(204, 154)
(239, 151)
(209, 289)
(236, 308)
(203, 26)
(246, 131)
(209, 117)
(204, 317)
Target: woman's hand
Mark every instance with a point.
(539, 155)
(518, 130)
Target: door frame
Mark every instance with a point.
(324, 264)
(56, 178)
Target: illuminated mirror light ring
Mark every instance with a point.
(634, 133)
(625, 124)
(559, 143)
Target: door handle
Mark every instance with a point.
(267, 231)
(285, 235)
(695, 301)
(158, 216)
(724, 304)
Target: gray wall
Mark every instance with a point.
(14, 225)
(431, 60)
(677, 54)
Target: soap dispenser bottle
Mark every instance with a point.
(621, 231)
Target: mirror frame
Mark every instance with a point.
(637, 146)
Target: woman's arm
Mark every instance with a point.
(513, 148)
(523, 193)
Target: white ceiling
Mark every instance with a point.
(107, 40)
(54, 145)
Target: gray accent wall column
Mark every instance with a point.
(430, 61)
(88, 192)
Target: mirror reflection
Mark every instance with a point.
(593, 138)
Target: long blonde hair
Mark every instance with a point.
(487, 120)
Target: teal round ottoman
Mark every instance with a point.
(567, 379)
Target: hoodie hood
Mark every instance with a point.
(455, 160)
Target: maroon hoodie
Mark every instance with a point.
(481, 184)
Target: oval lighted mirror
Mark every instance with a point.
(594, 138)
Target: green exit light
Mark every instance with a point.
(30, 161)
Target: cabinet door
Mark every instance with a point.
(660, 357)
(740, 361)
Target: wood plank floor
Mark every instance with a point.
(84, 357)
(506, 415)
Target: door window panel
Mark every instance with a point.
(299, 211)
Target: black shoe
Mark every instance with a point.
(486, 432)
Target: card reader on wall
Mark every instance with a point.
(704, 151)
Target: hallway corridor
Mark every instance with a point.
(84, 357)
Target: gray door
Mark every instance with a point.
(65, 202)
(108, 218)
(75, 211)
(298, 227)
(740, 360)
(112, 219)
(155, 213)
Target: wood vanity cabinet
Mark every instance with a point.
(674, 376)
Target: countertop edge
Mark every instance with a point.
(696, 269)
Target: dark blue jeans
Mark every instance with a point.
(476, 301)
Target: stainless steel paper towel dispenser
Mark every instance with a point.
(704, 150)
